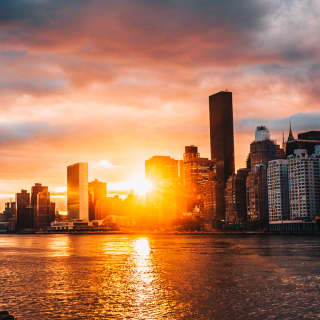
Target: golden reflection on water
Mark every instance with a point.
(59, 246)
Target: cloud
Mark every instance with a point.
(16, 133)
(299, 121)
(128, 79)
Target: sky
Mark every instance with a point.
(114, 82)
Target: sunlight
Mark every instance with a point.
(142, 247)
(138, 184)
(141, 186)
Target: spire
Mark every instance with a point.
(283, 143)
(290, 137)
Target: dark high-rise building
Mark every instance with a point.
(306, 140)
(25, 213)
(35, 190)
(23, 199)
(222, 144)
(235, 196)
(10, 210)
(199, 180)
(257, 197)
(45, 210)
(97, 195)
(263, 150)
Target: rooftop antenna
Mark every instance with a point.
(290, 137)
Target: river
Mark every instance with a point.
(160, 277)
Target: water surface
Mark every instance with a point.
(159, 277)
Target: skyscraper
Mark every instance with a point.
(25, 213)
(77, 193)
(45, 209)
(97, 194)
(222, 144)
(35, 190)
(304, 184)
(278, 190)
(257, 197)
(198, 177)
(263, 149)
(235, 197)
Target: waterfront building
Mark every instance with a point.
(35, 190)
(222, 145)
(304, 184)
(235, 197)
(97, 194)
(257, 197)
(23, 199)
(10, 210)
(77, 191)
(25, 213)
(199, 180)
(45, 209)
(278, 190)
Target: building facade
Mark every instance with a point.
(97, 194)
(77, 191)
(263, 150)
(278, 190)
(304, 184)
(235, 197)
(25, 212)
(257, 197)
(222, 145)
(199, 181)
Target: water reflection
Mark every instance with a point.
(59, 246)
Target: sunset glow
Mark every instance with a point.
(137, 184)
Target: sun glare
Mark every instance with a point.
(138, 184)
(142, 247)
(141, 186)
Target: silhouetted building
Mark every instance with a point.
(10, 210)
(257, 197)
(35, 190)
(23, 199)
(77, 193)
(45, 209)
(222, 145)
(306, 140)
(199, 180)
(235, 197)
(25, 213)
(97, 194)
(278, 190)
(263, 150)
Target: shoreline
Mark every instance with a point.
(171, 233)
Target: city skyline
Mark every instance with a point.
(127, 97)
(139, 184)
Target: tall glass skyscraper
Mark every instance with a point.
(77, 181)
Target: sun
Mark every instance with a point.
(140, 185)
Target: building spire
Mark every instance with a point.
(290, 137)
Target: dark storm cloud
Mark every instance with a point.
(245, 13)
(299, 121)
